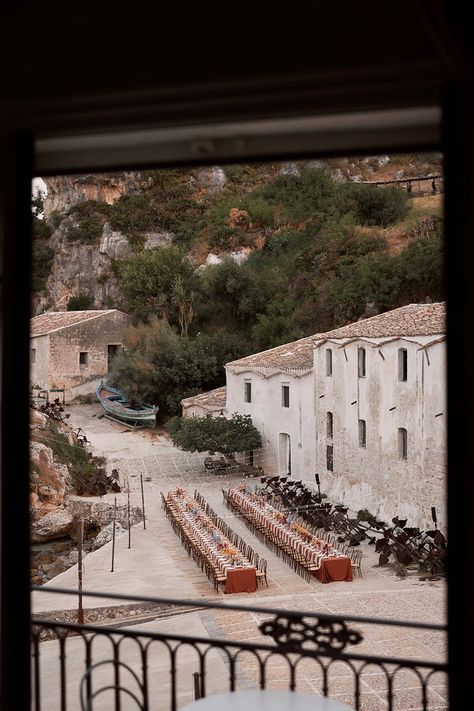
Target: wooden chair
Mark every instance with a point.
(356, 559)
(262, 571)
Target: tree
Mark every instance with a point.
(215, 434)
(160, 367)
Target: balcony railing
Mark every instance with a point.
(108, 666)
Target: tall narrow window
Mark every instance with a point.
(328, 361)
(248, 391)
(329, 424)
(33, 355)
(362, 433)
(402, 443)
(402, 364)
(329, 458)
(83, 358)
(285, 396)
(361, 362)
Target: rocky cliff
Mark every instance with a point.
(152, 208)
(55, 509)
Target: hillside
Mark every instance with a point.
(245, 256)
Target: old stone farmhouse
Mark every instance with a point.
(73, 349)
(364, 406)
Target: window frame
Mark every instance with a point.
(285, 395)
(329, 363)
(402, 365)
(248, 391)
(362, 433)
(403, 443)
(329, 425)
(361, 362)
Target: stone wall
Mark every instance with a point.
(91, 337)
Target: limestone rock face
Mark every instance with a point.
(105, 536)
(114, 244)
(290, 168)
(64, 191)
(154, 240)
(55, 524)
(212, 179)
(100, 513)
(82, 269)
(49, 481)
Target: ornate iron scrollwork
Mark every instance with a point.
(301, 635)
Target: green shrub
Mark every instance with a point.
(301, 196)
(42, 261)
(81, 302)
(133, 214)
(89, 217)
(375, 206)
(262, 213)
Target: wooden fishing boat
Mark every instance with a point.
(133, 413)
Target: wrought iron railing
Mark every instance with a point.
(108, 666)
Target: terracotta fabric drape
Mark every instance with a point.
(334, 569)
(241, 580)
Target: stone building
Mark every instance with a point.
(380, 409)
(276, 389)
(211, 403)
(74, 349)
(364, 406)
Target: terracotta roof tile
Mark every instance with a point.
(55, 320)
(411, 320)
(297, 355)
(212, 400)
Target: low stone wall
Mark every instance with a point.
(131, 613)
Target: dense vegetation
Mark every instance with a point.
(320, 254)
(215, 434)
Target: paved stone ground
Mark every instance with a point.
(157, 565)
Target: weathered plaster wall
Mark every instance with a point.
(375, 477)
(272, 419)
(40, 368)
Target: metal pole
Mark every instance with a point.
(197, 685)
(319, 487)
(128, 515)
(113, 534)
(143, 501)
(80, 611)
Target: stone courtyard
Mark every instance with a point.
(157, 565)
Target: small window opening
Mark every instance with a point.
(362, 433)
(361, 362)
(285, 395)
(402, 364)
(83, 358)
(329, 424)
(328, 361)
(402, 443)
(248, 392)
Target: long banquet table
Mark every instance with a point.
(323, 561)
(236, 570)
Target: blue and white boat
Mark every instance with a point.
(131, 412)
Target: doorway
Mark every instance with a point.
(285, 454)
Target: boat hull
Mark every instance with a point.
(115, 405)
